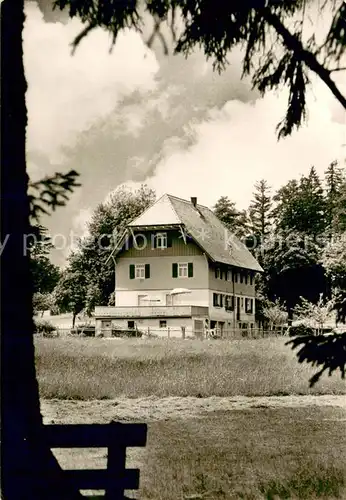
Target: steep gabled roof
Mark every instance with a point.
(202, 225)
(161, 213)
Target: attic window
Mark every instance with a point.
(161, 240)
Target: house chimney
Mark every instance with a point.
(194, 201)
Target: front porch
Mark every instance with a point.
(158, 321)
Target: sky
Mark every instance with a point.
(133, 115)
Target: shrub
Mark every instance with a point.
(86, 330)
(131, 332)
(297, 331)
(45, 327)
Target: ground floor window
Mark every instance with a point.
(163, 323)
(130, 324)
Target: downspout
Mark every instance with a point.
(115, 280)
(208, 288)
(234, 301)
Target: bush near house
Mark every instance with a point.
(129, 332)
(295, 331)
(46, 328)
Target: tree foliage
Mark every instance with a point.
(88, 262)
(275, 51)
(315, 315)
(275, 313)
(42, 302)
(260, 210)
(45, 275)
(69, 294)
(233, 219)
(334, 262)
(300, 206)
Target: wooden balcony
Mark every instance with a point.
(115, 312)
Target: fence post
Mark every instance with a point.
(168, 332)
(183, 332)
(148, 331)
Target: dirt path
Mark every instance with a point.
(152, 408)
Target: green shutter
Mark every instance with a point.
(169, 239)
(221, 300)
(175, 270)
(190, 269)
(132, 271)
(214, 299)
(147, 271)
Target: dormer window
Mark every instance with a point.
(161, 240)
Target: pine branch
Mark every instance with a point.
(296, 46)
(51, 192)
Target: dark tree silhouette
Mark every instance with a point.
(30, 470)
(274, 54)
(325, 351)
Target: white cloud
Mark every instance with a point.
(237, 146)
(66, 93)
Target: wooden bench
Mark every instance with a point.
(114, 436)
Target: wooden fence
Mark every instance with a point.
(177, 332)
(114, 436)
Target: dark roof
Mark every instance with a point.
(203, 226)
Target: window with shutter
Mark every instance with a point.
(139, 271)
(221, 300)
(190, 270)
(183, 271)
(132, 271)
(169, 239)
(147, 271)
(174, 270)
(215, 300)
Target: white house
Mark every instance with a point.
(178, 267)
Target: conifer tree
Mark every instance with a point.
(260, 209)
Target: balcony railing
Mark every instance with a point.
(149, 311)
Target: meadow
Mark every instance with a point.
(204, 442)
(90, 368)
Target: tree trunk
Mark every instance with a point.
(74, 319)
(29, 469)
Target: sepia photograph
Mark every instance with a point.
(173, 249)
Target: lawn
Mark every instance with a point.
(261, 453)
(206, 439)
(86, 369)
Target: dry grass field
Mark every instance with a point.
(87, 369)
(226, 420)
